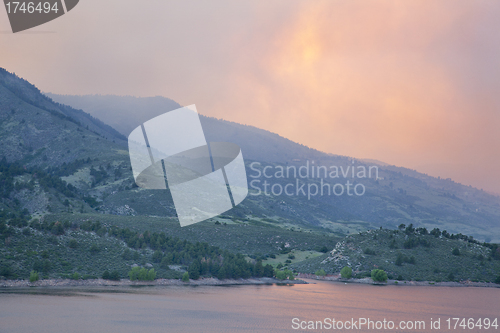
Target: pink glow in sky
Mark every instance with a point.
(410, 83)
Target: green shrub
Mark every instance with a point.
(320, 272)
(75, 276)
(369, 251)
(94, 249)
(346, 272)
(455, 252)
(280, 275)
(497, 280)
(399, 259)
(141, 274)
(291, 256)
(127, 254)
(164, 263)
(6, 270)
(157, 256)
(115, 276)
(34, 276)
(134, 273)
(73, 244)
(185, 277)
(151, 275)
(194, 270)
(379, 275)
(285, 274)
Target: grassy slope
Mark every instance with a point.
(26, 248)
(244, 236)
(23, 251)
(435, 262)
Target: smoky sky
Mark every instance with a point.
(410, 83)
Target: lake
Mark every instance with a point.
(265, 308)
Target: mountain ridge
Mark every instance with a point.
(96, 165)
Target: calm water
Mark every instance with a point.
(236, 309)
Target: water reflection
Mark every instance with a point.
(262, 308)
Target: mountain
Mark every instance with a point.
(69, 206)
(410, 254)
(399, 195)
(125, 113)
(92, 159)
(37, 130)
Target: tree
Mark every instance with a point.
(157, 256)
(379, 275)
(185, 277)
(221, 274)
(289, 274)
(134, 273)
(258, 270)
(115, 276)
(455, 252)
(323, 249)
(399, 259)
(346, 272)
(137, 273)
(105, 275)
(34, 276)
(94, 248)
(143, 274)
(194, 270)
(369, 251)
(495, 253)
(320, 272)
(280, 275)
(436, 232)
(268, 271)
(151, 275)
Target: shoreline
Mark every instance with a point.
(367, 280)
(233, 282)
(158, 282)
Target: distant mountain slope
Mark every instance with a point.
(400, 195)
(37, 130)
(125, 113)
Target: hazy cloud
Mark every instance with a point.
(413, 83)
